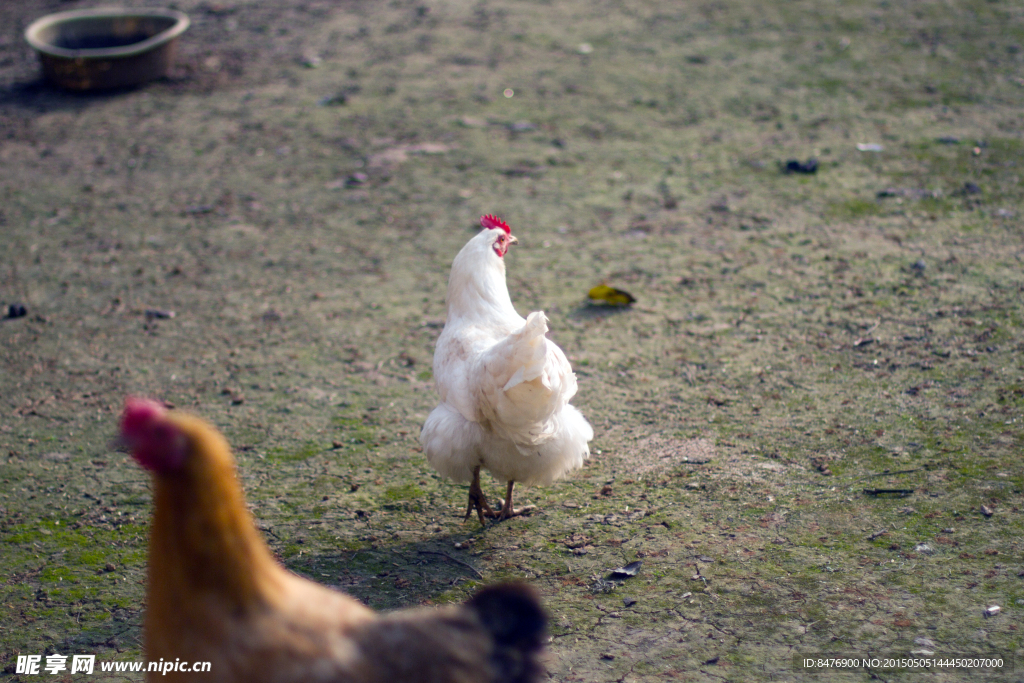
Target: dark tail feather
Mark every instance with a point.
(513, 615)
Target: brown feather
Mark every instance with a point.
(217, 594)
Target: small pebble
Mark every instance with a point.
(992, 611)
(16, 311)
(159, 313)
(522, 127)
(630, 569)
(333, 100)
(628, 602)
(795, 166)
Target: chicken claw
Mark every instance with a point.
(477, 500)
(507, 511)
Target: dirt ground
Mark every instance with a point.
(808, 428)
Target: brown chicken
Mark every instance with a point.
(217, 595)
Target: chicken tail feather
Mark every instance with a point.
(530, 351)
(526, 381)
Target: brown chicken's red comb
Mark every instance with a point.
(492, 222)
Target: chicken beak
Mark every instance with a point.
(512, 240)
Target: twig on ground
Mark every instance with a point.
(886, 474)
(453, 559)
(902, 493)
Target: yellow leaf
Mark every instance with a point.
(610, 295)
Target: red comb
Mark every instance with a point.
(492, 222)
(139, 413)
(155, 443)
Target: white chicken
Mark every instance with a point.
(504, 387)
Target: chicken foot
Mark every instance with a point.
(507, 511)
(477, 500)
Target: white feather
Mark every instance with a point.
(504, 387)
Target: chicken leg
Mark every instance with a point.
(477, 500)
(507, 511)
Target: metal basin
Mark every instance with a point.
(100, 49)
